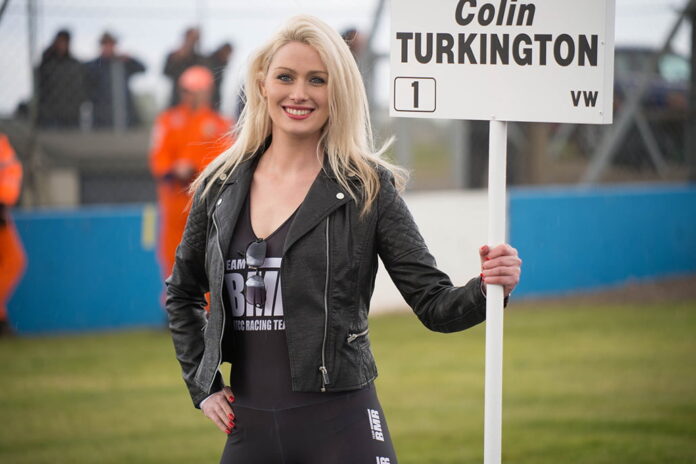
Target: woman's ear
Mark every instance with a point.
(262, 88)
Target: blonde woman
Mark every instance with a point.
(284, 231)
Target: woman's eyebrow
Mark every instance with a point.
(295, 72)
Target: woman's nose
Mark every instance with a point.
(299, 92)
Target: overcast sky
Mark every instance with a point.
(148, 29)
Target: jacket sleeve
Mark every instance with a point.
(439, 305)
(185, 301)
(134, 66)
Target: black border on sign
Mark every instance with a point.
(415, 111)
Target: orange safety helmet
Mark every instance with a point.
(196, 79)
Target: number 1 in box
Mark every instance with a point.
(415, 94)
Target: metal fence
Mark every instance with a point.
(82, 131)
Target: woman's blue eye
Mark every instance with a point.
(284, 77)
(318, 80)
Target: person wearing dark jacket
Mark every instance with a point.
(107, 84)
(60, 86)
(181, 59)
(285, 231)
(217, 62)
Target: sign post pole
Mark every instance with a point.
(493, 419)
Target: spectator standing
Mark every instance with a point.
(108, 88)
(186, 137)
(218, 61)
(59, 85)
(12, 257)
(183, 58)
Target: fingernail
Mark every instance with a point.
(228, 431)
(488, 259)
(231, 399)
(230, 415)
(231, 425)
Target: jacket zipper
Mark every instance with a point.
(222, 305)
(351, 337)
(324, 373)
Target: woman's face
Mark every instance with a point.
(296, 91)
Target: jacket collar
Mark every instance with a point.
(324, 196)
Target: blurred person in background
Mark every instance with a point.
(181, 59)
(218, 61)
(12, 257)
(107, 86)
(185, 139)
(356, 42)
(60, 86)
(358, 45)
(302, 198)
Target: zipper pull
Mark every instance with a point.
(324, 378)
(351, 337)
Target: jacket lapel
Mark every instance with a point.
(230, 200)
(324, 196)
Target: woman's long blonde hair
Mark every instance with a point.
(346, 138)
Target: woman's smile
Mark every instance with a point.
(298, 112)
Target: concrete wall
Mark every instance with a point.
(95, 268)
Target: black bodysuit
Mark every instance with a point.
(273, 424)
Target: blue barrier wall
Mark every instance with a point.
(93, 268)
(573, 239)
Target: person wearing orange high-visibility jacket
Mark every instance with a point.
(12, 257)
(185, 138)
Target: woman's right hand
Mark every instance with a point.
(217, 408)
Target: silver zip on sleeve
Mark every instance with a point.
(351, 337)
(324, 373)
(222, 305)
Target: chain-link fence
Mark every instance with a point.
(645, 143)
(651, 147)
(83, 81)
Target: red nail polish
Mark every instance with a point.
(231, 425)
(231, 399)
(228, 431)
(230, 415)
(488, 259)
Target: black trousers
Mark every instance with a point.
(349, 429)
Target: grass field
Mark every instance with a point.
(583, 384)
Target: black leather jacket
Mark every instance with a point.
(327, 277)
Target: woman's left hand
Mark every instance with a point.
(500, 266)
